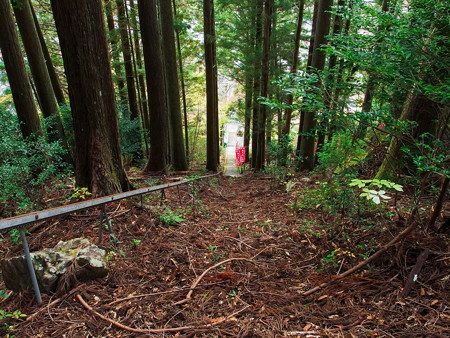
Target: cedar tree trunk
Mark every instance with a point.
(154, 70)
(17, 74)
(98, 160)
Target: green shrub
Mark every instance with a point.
(341, 152)
(25, 165)
(131, 136)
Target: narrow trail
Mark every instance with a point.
(230, 167)
(232, 140)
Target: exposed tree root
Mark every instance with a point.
(199, 278)
(377, 254)
(172, 329)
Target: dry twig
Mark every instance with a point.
(377, 254)
(199, 278)
(172, 329)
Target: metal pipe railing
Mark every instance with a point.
(22, 221)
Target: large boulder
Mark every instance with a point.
(77, 257)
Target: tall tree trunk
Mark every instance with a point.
(339, 73)
(257, 81)
(308, 69)
(17, 75)
(294, 67)
(142, 94)
(372, 82)
(113, 40)
(154, 70)
(82, 38)
(183, 87)
(57, 89)
(330, 81)
(212, 115)
(249, 83)
(419, 109)
(260, 159)
(248, 112)
(307, 148)
(177, 150)
(127, 60)
(39, 70)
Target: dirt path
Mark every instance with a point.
(230, 167)
(236, 265)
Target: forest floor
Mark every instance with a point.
(237, 261)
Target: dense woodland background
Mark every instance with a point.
(99, 86)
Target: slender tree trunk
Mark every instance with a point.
(372, 83)
(127, 60)
(35, 55)
(339, 75)
(57, 89)
(249, 84)
(307, 148)
(308, 69)
(212, 118)
(177, 150)
(264, 85)
(257, 82)
(142, 91)
(82, 37)
(113, 39)
(183, 87)
(248, 112)
(17, 75)
(154, 70)
(294, 66)
(216, 89)
(330, 82)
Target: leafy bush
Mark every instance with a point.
(341, 152)
(25, 165)
(170, 217)
(131, 135)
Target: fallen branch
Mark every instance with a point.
(56, 301)
(199, 278)
(414, 273)
(146, 295)
(173, 329)
(377, 254)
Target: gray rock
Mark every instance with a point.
(78, 257)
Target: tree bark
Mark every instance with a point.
(330, 82)
(154, 70)
(57, 89)
(257, 81)
(419, 109)
(260, 155)
(183, 87)
(17, 75)
(142, 94)
(294, 67)
(177, 150)
(113, 40)
(81, 32)
(248, 112)
(212, 115)
(308, 69)
(41, 77)
(127, 61)
(307, 148)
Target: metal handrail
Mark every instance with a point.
(21, 221)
